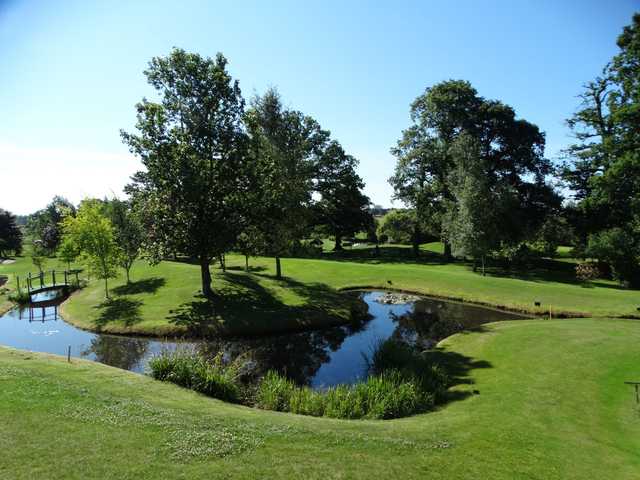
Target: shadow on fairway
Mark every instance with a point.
(459, 368)
(123, 310)
(244, 307)
(146, 285)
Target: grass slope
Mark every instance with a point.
(551, 405)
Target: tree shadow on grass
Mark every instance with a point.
(459, 368)
(146, 285)
(245, 307)
(122, 310)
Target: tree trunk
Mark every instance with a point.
(128, 278)
(206, 277)
(246, 263)
(338, 246)
(223, 265)
(415, 241)
(483, 272)
(447, 252)
(475, 264)
(278, 268)
(106, 288)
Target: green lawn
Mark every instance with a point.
(551, 404)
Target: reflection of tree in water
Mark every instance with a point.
(298, 356)
(121, 352)
(428, 322)
(432, 320)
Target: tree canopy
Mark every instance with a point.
(193, 147)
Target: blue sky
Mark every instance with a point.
(71, 72)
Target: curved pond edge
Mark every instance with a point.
(183, 333)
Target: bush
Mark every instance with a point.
(213, 378)
(587, 271)
(621, 250)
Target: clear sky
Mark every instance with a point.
(71, 73)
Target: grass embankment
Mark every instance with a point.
(551, 405)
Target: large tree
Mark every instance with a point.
(192, 145)
(343, 209)
(604, 172)
(512, 150)
(10, 234)
(285, 146)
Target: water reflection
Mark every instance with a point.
(318, 358)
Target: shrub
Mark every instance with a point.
(587, 271)
(210, 377)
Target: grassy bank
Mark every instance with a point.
(550, 404)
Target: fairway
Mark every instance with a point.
(550, 403)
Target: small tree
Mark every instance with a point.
(128, 232)
(250, 243)
(68, 251)
(38, 255)
(93, 235)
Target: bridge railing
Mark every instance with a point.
(45, 279)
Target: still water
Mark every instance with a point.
(318, 358)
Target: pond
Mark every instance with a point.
(319, 358)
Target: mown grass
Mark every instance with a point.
(550, 403)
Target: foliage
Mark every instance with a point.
(604, 172)
(38, 255)
(10, 234)
(619, 249)
(511, 151)
(214, 377)
(471, 222)
(68, 251)
(128, 231)
(46, 225)
(383, 396)
(586, 271)
(192, 194)
(285, 146)
(555, 231)
(342, 208)
(92, 234)
(393, 354)
(398, 226)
